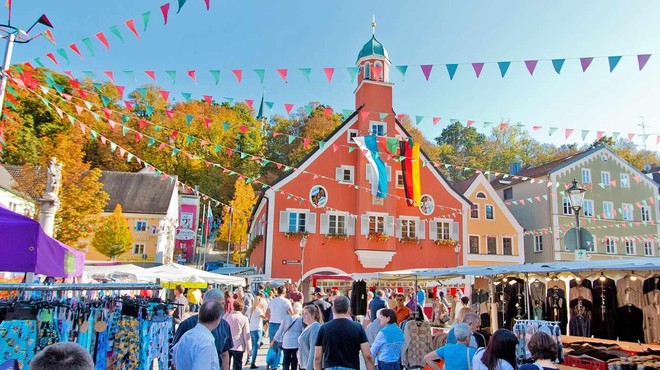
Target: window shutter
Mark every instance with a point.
(339, 174)
(399, 226)
(311, 223)
(389, 173)
(284, 221)
(350, 225)
(389, 225)
(421, 234)
(364, 224)
(368, 172)
(453, 231)
(323, 228)
(433, 230)
(352, 169)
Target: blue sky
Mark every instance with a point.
(295, 34)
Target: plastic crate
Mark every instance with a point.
(585, 363)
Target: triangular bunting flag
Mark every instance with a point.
(75, 49)
(551, 130)
(451, 69)
(329, 71)
(216, 75)
(131, 26)
(478, 67)
(568, 132)
(426, 70)
(282, 72)
(402, 70)
(585, 63)
(238, 73)
(557, 64)
(531, 66)
(165, 9)
(62, 53)
(191, 74)
(504, 67)
(101, 37)
(288, 107)
(115, 31)
(172, 75)
(260, 73)
(584, 134)
(418, 119)
(352, 72)
(613, 61)
(151, 74)
(181, 3)
(642, 59)
(145, 20)
(305, 72)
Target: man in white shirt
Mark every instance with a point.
(196, 348)
(278, 308)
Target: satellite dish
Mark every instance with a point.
(647, 168)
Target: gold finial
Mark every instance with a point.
(373, 25)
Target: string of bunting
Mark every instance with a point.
(329, 72)
(345, 113)
(103, 39)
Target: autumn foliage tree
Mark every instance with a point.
(113, 238)
(241, 204)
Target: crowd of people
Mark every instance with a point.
(217, 329)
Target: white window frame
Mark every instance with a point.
(436, 226)
(624, 179)
(611, 207)
(510, 244)
(340, 173)
(604, 174)
(487, 246)
(566, 206)
(478, 239)
(589, 208)
(631, 248)
(586, 179)
(137, 247)
(367, 71)
(350, 133)
(285, 220)
(645, 212)
(440, 229)
(399, 174)
(299, 223)
(649, 248)
(481, 195)
(141, 225)
(627, 211)
(369, 167)
(610, 245)
(407, 227)
(477, 209)
(538, 243)
(492, 207)
(382, 71)
(380, 124)
(504, 194)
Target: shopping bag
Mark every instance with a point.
(273, 357)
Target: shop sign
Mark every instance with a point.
(581, 255)
(291, 262)
(185, 234)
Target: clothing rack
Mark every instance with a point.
(79, 286)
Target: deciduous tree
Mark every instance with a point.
(113, 238)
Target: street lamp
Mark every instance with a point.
(303, 243)
(457, 249)
(576, 197)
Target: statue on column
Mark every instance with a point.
(54, 176)
(49, 202)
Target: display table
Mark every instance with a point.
(627, 346)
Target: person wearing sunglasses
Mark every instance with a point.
(402, 312)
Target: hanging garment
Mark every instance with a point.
(629, 291)
(652, 323)
(651, 288)
(126, 345)
(516, 305)
(629, 324)
(418, 343)
(359, 298)
(555, 304)
(604, 312)
(580, 292)
(17, 341)
(158, 339)
(47, 332)
(580, 326)
(585, 283)
(537, 293)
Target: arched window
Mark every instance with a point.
(481, 195)
(367, 70)
(379, 71)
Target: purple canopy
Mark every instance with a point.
(25, 247)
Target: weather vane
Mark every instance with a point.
(373, 25)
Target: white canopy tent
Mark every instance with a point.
(127, 272)
(173, 272)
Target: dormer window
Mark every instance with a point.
(367, 71)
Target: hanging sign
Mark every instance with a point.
(185, 234)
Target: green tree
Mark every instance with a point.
(113, 237)
(460, 146)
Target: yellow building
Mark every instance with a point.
(494, 235)
(151, 207)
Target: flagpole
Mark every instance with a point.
(198, 253)
(231, 216)
(207, 231)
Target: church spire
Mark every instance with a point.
(373, 25)
(260, 113)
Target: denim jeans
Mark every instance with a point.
(256, 340)
(389, 365)
(236, 359)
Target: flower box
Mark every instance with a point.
(409, 240)
(296, 234)
(336, 236)
(377, 236)
(446, 242)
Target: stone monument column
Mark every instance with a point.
(49, 201)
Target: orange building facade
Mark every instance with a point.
(346, 228)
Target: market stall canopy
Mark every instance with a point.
(126, 272)
(173, 272)
(25, 247)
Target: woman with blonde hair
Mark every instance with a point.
(256, 315)
(312, 317)
(287, 335)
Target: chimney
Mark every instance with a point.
(515, 167)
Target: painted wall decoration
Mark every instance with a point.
(427, 205)
(318, 196)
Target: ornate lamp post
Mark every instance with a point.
(457, 249)
(303, 243)
(576, 197)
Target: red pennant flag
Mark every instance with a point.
(191, 73)
(426, 70)
(112, 124)
(162, 146)
(82, 93)
(122, 151)
(165, 9)
(110, 75)
(169, 114)
(536, 128)
(283, 73)
(174, 134)
(631, 136)
(128, 104)
(203, 142)
(328, 73)
(48, 34)
(165, 94)
(207, 122)
(52, 57)
(306, 142)
(44, 20)
(364, 115)
(470, 123)
(208, 4)
(131, 26)
(78, 109)
(478, 67)
(151, 74)
(599, 134)
(68, 73)
(103, 140)
(436, 120)
(138, 137)
(107, 112)
(208, 98)
(120, 91)
(75, 49)
(243, 129)
(143, 124)
(288, 107)
(568, 132)
(503, 126)
(238, 73)
(103, 40)
(249, 102)
(335, 147)
(230, 151)
(328, 112)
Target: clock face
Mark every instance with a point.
(318, 196)
(426, 205)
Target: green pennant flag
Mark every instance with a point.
(418, 119)
(96, 116)
(124, 130)
(270, 104)
(151, 142)
(189, 118)
(287, 168)
(93, 133)
(261, 73)
(248, 180)
(291, 138)
(19, 68)
(230, 100)
(308, 109)
(383, 116)
(157, 128)
(129, 74)
(89, 74)
(142, 91)
(115, 31)
(321, 144)
(149, 110)
(232, 173)
(217, 147)
(129, 157)
(351, 149)
(125, 118)
(172, 75)
(62, 52)
(264, 186)
(226, 126)
(216, 75)
(264, 162)
(181, 3)
(37, 61)
(44, 89)
(72, 119)
(305, 72)
(98, 86)
(392, 145)
(175, 151)
(186, 96)
(106, 100)
(12, 91)
(145, 19)
(243, 155)
(189, 139)
(88, 44)
(88, 104)
(346, 113)
(402, 70)
(352, 72)
(59, 88)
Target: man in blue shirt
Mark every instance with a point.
(196, 348)
(221, 334)
(457, 356)
(376, 304)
